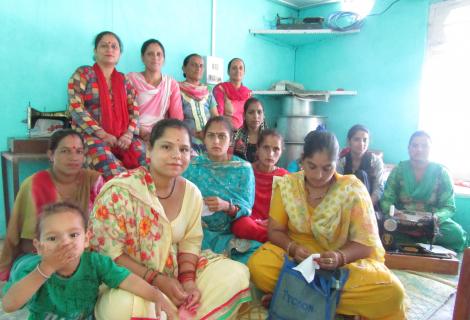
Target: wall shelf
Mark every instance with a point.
(297, 38)
(314, 95)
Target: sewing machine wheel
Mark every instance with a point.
(390, 225)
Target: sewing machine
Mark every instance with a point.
(413, 224)
(43, 124)
(425, 257)
(34, 115)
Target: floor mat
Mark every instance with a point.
(425, 295)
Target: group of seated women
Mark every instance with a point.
(203, 226)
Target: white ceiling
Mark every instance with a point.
(301, 4)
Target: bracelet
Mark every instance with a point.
(230, 204)
(193, 264)
(45, 276)
(288, 247)
(187, 276)
(153, 274)
(343, 257)
(145, 274)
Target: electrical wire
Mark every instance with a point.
(344, 21)
(386, 9)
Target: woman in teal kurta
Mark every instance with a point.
(420, 185)
(227, 185)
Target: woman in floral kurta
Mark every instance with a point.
(319, 211)
(147, 232)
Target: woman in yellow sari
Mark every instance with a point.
(319, 211)
(149, 221)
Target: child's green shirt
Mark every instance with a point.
(70, 298)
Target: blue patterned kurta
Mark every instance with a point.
(229, 180)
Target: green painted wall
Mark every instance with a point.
(43, 42)
(383, 63)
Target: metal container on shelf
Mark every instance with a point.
(294, 128)
(295, 106)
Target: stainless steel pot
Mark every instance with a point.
(294, 129)
(294, 106)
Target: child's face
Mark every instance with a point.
(61, 229)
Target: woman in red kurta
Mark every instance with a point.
(269, 151)
(232, 95)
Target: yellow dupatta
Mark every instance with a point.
(345, 213)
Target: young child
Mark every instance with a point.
(62, 281)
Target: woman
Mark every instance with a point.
(149, 221)
(231, 95)
(254, 227)
(421, 185)
(198, 103)
(103, 111)
(227, 185)
(246, 138)
(158, 96)
(366, 166)
(319, 211)
(66, 180)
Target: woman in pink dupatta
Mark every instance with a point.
(232, 95)
(198, 102)
(158, 95)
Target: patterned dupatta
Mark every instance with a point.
(329, 222)
(197, 93)
(196, 97)
(232, 179)
(140, 185)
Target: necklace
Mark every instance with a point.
(66, 190)
(315, 198)
(171, 192)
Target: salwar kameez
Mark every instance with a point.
(129, 219)
(233, 181)
(87, 119)
(433, 193)
(345, 214)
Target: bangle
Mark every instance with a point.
(193, 264)
(186, 276)
(145, 274)
(45, 276)
(343, 257)
(153, 274)
(288, 247)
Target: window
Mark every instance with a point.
(445, 91)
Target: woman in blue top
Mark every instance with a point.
(227, 185)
